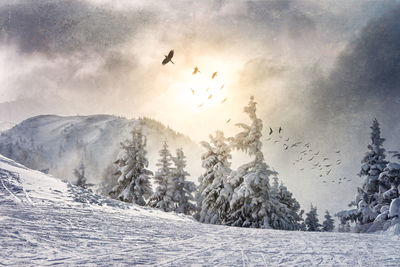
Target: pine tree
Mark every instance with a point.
(328, 224)
(250, 203)
(373, 163)
(214, 193)
(133, 175)
(163, 197)
(285, 213)
(369, 196)
(80, 175)
(183, 196)
(312, 221)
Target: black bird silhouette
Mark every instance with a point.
(270, 131)
(287, 140)
(338, 151)
(295, 144)
(324, 182)
(328, 172)
(280, 130)
(168, 58)
(311, 158)
(325, 159)
(228, 120)
(196, 70)
(286, 146)
(328, 165)
(214, 75)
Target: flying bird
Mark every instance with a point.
(270, 131)
(338, 151)
(214, 75)
(191, 89)
(328, 165)
(286, 146)
(196, 70)
(280, 130)
(295, 144)
(287, 140)
(210, 96)
(328, 172)
(325, 159)
(222, 86)
(200, 105)
(228, 120)
(168, 58)
(223, 101)
(311, 158)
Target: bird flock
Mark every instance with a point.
(168, 58)
(306, 156)
(309, 158)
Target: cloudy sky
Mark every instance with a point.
(320, 69)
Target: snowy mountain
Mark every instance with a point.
(5, 125)
(47, 221)
(58, 144)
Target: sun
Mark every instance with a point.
(203, 91)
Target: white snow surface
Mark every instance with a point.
(46, 221)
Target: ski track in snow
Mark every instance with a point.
(44, 221)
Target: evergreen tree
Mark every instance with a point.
(373, 163)
(250, 203)
(369, 196)
(328, 224)
(214, 193)
(183, 196)
(80, 175)
(163, 197)
(311, 221)
(133, 175)
(285, 213)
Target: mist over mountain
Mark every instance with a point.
(59, 143)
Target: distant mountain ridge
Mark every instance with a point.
(59, 143)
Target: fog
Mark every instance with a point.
(321, 70)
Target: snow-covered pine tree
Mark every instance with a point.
(369, 196)
(250, 204)
(285, 213)
(164, 193)
(183, 195)
(80, 175)
(214, 193)
(328, 224)
(133, 175)
(312, 221)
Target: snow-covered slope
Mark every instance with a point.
(60, 143)
(45, 221)
(5, 125)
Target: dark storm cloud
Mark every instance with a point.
(367, 74)
(66, 26)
